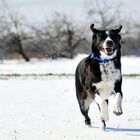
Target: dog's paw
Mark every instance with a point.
(88, 122)
(103, 125)
(118, 111)
(118, 105)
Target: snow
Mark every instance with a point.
(48, 110)
(130, 65)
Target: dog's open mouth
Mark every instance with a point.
(108, 51)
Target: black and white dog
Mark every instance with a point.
(98, 76)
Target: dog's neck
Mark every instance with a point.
(93, 56)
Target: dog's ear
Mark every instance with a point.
(93, 29)
(119, 29)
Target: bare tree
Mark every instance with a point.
(13, 29)
(17, 34)
(61, 36)
(103, 14)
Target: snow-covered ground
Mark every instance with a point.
(129, 65)
(48, 110)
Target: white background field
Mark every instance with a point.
(48, 109)
(129, 65)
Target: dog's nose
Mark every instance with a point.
(109, 42)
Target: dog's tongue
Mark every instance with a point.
(109, 50)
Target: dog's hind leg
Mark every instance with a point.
(84, 103)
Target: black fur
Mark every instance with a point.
(88, 71)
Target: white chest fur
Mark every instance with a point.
(108, 77)
(108, 72)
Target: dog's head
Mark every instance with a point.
(106, 43)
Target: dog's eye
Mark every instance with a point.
(103, 36)
(115, 37)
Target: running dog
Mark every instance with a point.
(98, 76)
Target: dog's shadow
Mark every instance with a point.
(129, 131)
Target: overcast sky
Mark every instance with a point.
(37, 10)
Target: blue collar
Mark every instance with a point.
(99, 59)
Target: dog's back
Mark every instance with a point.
(99, 75)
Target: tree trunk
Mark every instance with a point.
(20, 49)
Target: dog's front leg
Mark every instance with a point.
(103, 106)
(118, 104)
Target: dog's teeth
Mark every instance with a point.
(110, 52)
